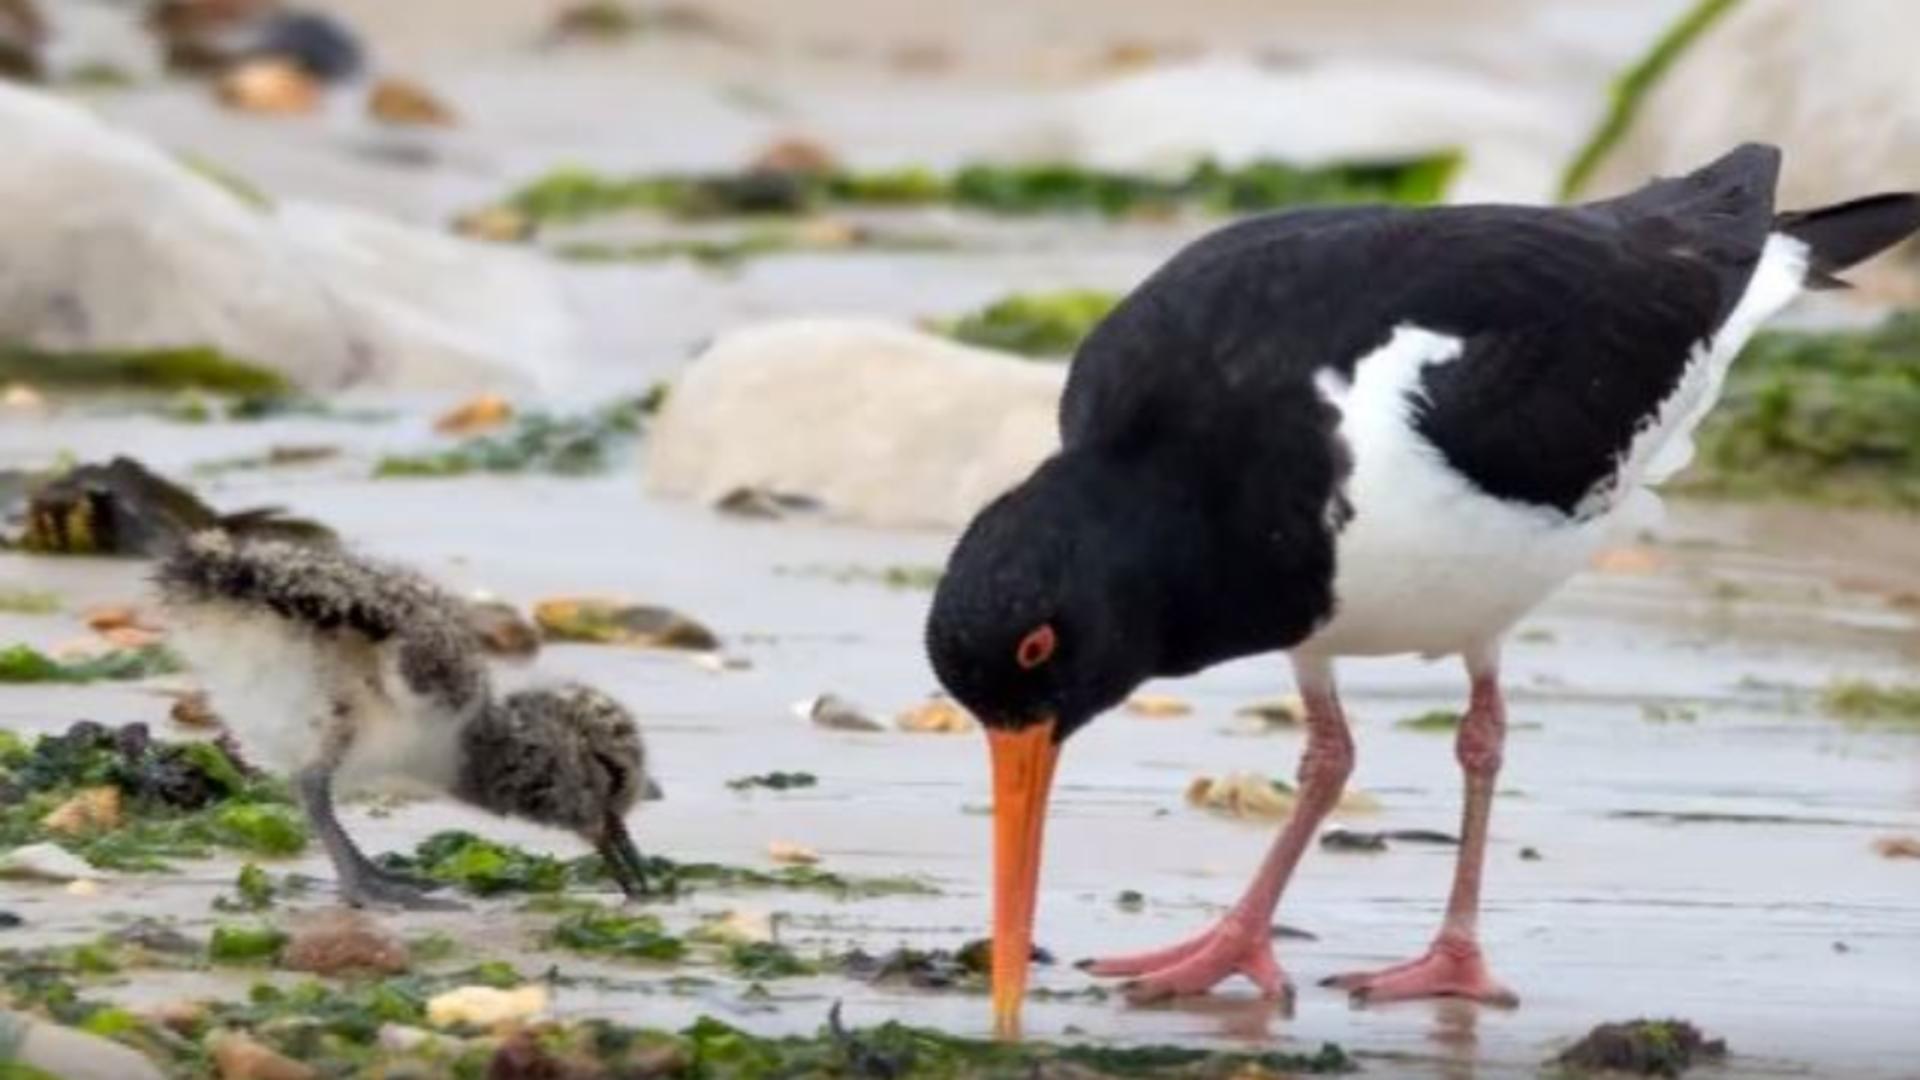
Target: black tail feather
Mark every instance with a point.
(1847, 233)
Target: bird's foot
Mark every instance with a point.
(1452, 967)
(388, 889)
(1235, 946)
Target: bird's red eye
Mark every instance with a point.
(1037, 647)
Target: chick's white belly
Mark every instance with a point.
(278, 687)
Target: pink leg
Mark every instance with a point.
(1453, 966)
(1242, 942)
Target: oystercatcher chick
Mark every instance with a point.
(337, 668)
(1355, 432)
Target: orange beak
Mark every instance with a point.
(1023, 761)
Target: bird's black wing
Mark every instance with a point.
(1575, 324)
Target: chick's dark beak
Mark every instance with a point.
(1023, 761)
(624, 861)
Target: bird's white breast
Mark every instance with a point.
(1431, 564)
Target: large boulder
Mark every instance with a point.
(1833, 84)
(881, 424)
(110, 243)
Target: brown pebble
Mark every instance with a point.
(474, 415)
(92, 810)
(192, 709)
(271, 86)
(238, 1057)
(937, 716)
(405, 103)
(339, 940)
(794, 155)
(1898, 847)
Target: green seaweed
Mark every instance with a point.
(245, 944)
(1864, 701)
(1630, 89)
(247, 193)
(573, 194)
(335, 1027)
(897, 576)
(537, 442)
(1042, 324)
(26, 664)
(179, 800)
(28, 602)
(774, 781)
(198, 367)
(1434, 720)
(600, 930)
(483, 867)
(253, 890)
(1827, 416)
(486, 868)
(762, 960)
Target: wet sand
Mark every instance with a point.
(1790, 938)
(1786, 935)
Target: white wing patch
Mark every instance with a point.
(1664, 444)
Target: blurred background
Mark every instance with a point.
(722, 315)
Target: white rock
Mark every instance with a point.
(110, 242)
(485, 1006)
(69, 1054)
(1235, 111)
(881, 424)
(1833, 84)
(46, 862)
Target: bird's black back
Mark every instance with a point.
(1576, 323)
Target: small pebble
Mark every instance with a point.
(341, 940)
(239, 1057)
(1349, 840)
(838, 714)
(1531, 854)
(935, 716)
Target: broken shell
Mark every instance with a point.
(23, 397)
(239, 1057)
(497, 224)
(1634, 561)
(794, 155)
(482, 413)
(92, 810)
(837, 713)
(45, 862)
(1898, 847)
(115, 617)
(192, 709)
(485, 1006)
(785, 851)
(744, 925)
(937, 716)
(406, 103)
(269, 85)
(610, 622)
(1157, 706)
(132, 637)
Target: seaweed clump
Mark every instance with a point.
(568, 195)
(1643, 1048)
(1039, 324)
(537, 442)
(175, 799)
(1828, 416)
(486, 868)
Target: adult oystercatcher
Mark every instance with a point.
(331, 665)
(1354, 432)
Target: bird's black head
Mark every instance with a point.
(1046, 612)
